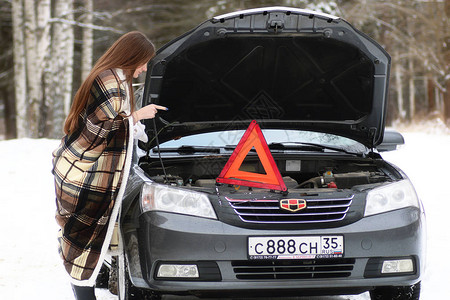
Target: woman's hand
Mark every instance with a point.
(147, 112)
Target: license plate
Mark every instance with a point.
(295, 247)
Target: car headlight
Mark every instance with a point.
(390, 197)
(158, 197)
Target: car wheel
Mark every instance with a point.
(103, 277)
(126, 290)
(411, 292)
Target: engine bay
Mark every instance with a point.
(297, 172)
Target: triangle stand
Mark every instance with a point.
(230, 174)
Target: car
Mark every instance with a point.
(309, 205)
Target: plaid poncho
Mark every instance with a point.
(89, 166)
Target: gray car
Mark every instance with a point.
(345, 221)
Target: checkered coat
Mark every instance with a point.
(89, 168)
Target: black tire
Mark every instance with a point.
(133, 293)
(113, 275)
(411, 292)
(103, 277)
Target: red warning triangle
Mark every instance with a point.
(252, 138)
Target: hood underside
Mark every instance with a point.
(286, 68)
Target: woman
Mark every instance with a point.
(91, 164)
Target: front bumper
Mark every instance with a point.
(166, 237)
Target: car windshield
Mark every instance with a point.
(272, 136)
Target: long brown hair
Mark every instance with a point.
(129, 52)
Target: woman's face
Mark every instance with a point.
(139, 70)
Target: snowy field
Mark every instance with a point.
(30, 267)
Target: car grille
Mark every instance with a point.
(269, 211)
(293, 269)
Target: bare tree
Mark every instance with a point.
(411, 73)
(62, 64)
(398, 73)
(88, 39)
(417, 32)
(19, 68)
(7, 116)
(36, 16)
(31, 40)
(445, 52)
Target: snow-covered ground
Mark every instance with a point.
(30, 267)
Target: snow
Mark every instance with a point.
(30, 267)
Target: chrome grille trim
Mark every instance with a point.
(293, 269)
(324, 210)
(290, 215)
(292, 222)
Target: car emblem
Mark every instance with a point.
(293, 204)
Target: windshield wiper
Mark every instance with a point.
(307, 147)
(304, 147)
(298, 146)
(282, 146)
(189, 149)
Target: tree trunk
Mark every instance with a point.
(446, 51)
(20, 86)
(447, 103)
(9, 112)
(412, 96)
(62, 65)
(33, 73)
(57, 68)
(399, 88)
(43, 33)
(88, 40)
(411, 56)
(69, 58)
(431, 99)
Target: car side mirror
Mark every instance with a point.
(391, 140)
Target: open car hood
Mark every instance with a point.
(286, 68)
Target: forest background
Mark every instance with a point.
(48, 46)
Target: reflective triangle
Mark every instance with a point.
(253, 137)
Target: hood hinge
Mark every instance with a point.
(372, 134)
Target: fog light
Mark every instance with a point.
(178, 271)
(397, 266)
